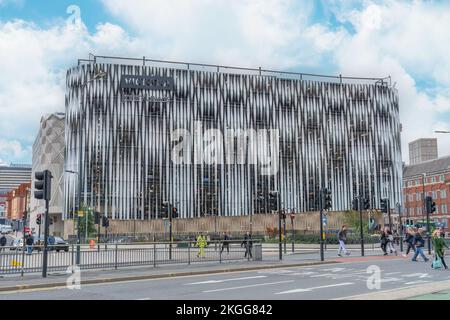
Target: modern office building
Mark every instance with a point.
(429, 178)
(14, 175)
(216, 140)
(421, 150)
(48, 154)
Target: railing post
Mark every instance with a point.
(115, 257)
(23, 260)
(189, 252)
(154, 253)
(72, 259)
(220, 251)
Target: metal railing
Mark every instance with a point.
(14, 260)
(384, 81)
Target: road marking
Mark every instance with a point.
(315, 288)
(322, 275)
(224, 280)
(308, 273)
(417, 282)
(417, 275)
(391, 273)
(337, 269)
(144, 299)
(252, 285)
(389, 280)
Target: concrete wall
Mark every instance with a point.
(259, 223)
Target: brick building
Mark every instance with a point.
(16, 201)
(430, 178)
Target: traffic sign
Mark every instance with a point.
(324, 220)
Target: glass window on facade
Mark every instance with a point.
(444, 209)
(442, 178)
(443, 194)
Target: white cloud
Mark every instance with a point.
(33, 62)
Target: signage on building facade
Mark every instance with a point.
(146, 82)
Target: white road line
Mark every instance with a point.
(224, 280)
(322, 275)
(252, 285)
(417, 275)
(144, 299)
(337, 269)
(314, 288)
(391, 273)
(417, 282)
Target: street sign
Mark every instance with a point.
(80, 213)
(324, 220)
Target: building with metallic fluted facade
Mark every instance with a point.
(124, 116)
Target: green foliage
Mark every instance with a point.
(352, 220)
(90, 223)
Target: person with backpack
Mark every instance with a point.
(419, 243)
(342, 237)
(409, 239)
(439, 245)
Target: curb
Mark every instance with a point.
(403, 293)
(160, 276)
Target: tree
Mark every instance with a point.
(90, 223)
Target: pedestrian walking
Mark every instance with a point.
(419, 243)
(225, 243)
(201, 244)
(391, 242)
(248, 243)
(409, 240)
(342, 237)
(439, 245)
(2, 242)
(29, 242)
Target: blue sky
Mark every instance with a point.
(408, 40)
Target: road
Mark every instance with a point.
(334, 281)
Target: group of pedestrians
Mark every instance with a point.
(247, 243)
(414, 241)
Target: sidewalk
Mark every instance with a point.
(58, 279)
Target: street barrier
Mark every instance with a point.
(15, 260)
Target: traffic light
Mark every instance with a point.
(50, 221)
(355, 204)
(327, 199)
(42, 185)
(39, 219)
(96, 217)
(366, 205)
(430, 205)
(174, 213)
(105, 222)
(273, 201)
(165, 210)
(384, 205)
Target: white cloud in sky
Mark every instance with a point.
(407, 40)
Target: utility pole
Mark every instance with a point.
(321, 199)
(292, 226)
(284, 231)
(361, 203)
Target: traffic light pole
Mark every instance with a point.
(279, 228)
(284, 232)
(361, 225)
(45, 256)
(428, 232)
(321, 199)
(388, 205)
(170, 231)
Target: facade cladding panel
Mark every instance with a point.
(344, 136)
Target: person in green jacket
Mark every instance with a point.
(201, 244)
(439, 245)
